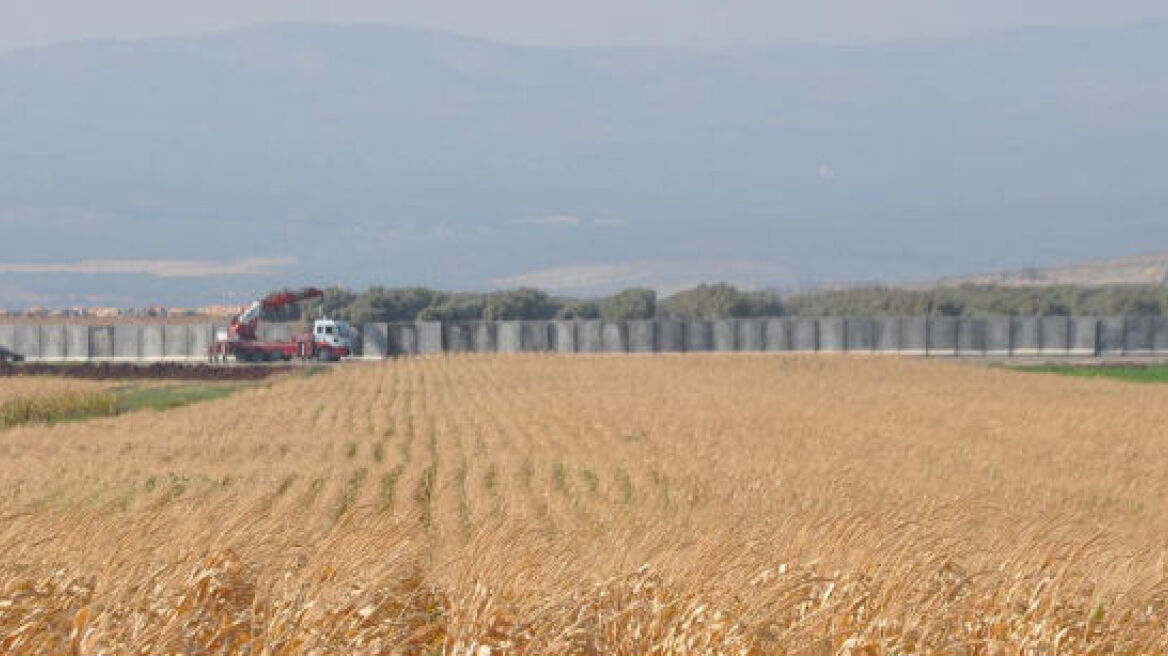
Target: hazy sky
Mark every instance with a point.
(698, 23)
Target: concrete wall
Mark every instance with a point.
(725, 335)
(642, 337)
(997, 336)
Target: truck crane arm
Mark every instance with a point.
(243, 326)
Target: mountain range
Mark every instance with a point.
(209, 167)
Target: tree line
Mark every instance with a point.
(721, 300)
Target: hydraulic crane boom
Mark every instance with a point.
(243, 326)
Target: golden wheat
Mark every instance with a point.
(589, 505)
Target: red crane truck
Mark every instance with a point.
(326, 339)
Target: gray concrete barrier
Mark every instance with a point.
(564, 336)
(127, 342)
(804, 334)
(534, 336)
(942, 336)
(914, 335)
(1054, 336)
(150, 345)
(176, 342)
(510, 336)
(777, 335)
(27, 341)
(670, 336)
(725, 334)
(403, 339)
(699, 336)
(429, 337)
(1160, 336)
(1024, 336)
(998, 331)
(484, 337)
(832, 334)
(642, 337)
(589, 337)
(971, 336)
(1139, 335)
(199, 338)
(1084, 339)
(374, 340)
(52, 340)
(859, 334)
(614, 337)
(885, 335)
(751, 335)
(8, 337)
(275, 332)
(1111, 334)
(458, 337)
(101, 342)
(77, 341)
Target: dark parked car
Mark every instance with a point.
(9, 356)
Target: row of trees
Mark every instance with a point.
(716, 301)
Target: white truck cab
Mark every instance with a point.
(334, 334)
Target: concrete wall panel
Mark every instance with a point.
(52, 340)
(275, 332)
(777, 335)
(614, 337)
(484, 337)
(403, 339)
(1111, 333)
(751, 335)
(832, 334)
(804, 334)
(589, 337)
(1024, 335)
(8, 337)
(972, 336)
(1054, 335)
(457, 337)
(150, 347)
(1084, 339)
(642, 336)
(176, 342)
(859, 334)
(997, 336)
(429, 337)
(77, 341)
(127, 339)
(199, 337)
(535, 336)
(886, 334)
(914, 335)
(942, 336)
(670, 336)
(699, 336)
(725, 334)
(26, 340)
(1139, 335)
(564, 336)
(510, 336)
(1160, 335)
(101, 342)
(375, 340)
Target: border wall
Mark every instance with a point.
(945, 337)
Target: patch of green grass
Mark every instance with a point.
(1155, 373)
(129, 399)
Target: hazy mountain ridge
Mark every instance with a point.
(1147, 269)
(403, 156)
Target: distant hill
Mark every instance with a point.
(362, 155)
(1150, 269)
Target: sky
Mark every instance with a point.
(686, 23)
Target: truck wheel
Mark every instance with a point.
(324, 355)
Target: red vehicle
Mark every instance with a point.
(325, 340)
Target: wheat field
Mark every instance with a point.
(600, 505)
